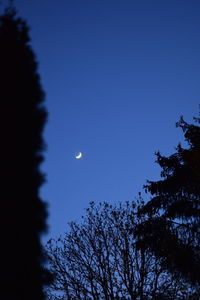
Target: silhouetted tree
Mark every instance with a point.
(173, 230)
(22, 213)
(98, 259)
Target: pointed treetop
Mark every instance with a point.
(10, 8)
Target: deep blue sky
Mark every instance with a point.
(117, 76)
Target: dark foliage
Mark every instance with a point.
(173, 230)
(98, 260)
(22, 118)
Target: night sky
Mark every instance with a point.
(117, 74)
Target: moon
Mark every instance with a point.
(79, 155)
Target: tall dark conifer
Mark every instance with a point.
(173, 228)
(22, 117)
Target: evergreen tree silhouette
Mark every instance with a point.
(22, 119)
(172, 231)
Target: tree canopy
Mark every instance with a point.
(98, 259)
(172, 231)
(23, 116)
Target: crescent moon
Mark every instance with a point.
(79, 155)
